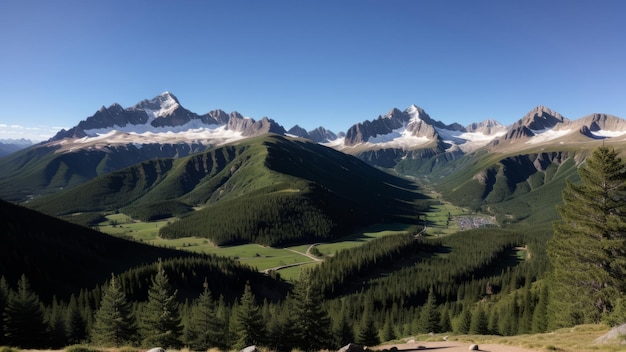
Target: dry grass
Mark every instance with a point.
(577, 339)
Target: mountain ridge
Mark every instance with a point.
(117, 137)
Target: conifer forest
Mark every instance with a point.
(520, 278)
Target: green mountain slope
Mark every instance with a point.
(269, 190)
(61, 258)
(514, 187)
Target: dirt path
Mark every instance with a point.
(452, 346)
(307, 254)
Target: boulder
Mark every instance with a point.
(352, 347)
(616, 332)
(156, 349)
(473, 347)
(250, 349)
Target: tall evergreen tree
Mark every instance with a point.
(160, 319)
(465, 322)
(540, 315)
(480, 322)
(250, 327)
(368, 332)
(445, 324)
(56, 324)
(205, 328)
(311, 322)
(587, 250)
(429, 315)
(343, 330)
(387, 333)
(114, 321)
(24, 319)
(75, 325)
(4, 301)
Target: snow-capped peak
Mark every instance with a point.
(414, 112)
(159, 106)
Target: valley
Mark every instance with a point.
(263, 258)
(405, 223)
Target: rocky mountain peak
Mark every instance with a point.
(540, 118)
(298, 131)
(322, 135)
(487, 127)
(414, 111)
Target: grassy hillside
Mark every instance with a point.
(267, 190)
(512, 187)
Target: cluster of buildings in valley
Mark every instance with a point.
(474, 222)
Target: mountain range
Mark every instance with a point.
(8, 146)
(115, 138)
(228, 179)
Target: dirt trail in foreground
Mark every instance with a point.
(452, 346)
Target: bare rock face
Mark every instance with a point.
(236, 122)
(322, 135)
(361, 132)
(265, 125)
(298, 131)
(540, 118)
(487, 127)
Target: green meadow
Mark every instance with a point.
(287, 261)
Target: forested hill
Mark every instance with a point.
(269, 190)
(60, 258)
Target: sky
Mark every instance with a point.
(311, 63)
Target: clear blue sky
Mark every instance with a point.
(329, 63)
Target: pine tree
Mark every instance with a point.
(280, 327)
(4, 301)
(311, 322)
(249, 325)
(75, 325)
(205, 327)
(24, 319)
(388, 334)
(480, 322)
(114, 322)
(540, 315)
(587, 250)
(56, 324)
(368, 332)
(160, 319)
(343, 330)
(494, 322)
(429, 315)
(465, 322)
(445, 324)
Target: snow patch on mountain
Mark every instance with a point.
(414, 112)
(400, 138)
(608, 134)
(144, 128)
(216, 135)
(167, 107)
(467, 141)
(335, 144)
(546, 135)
